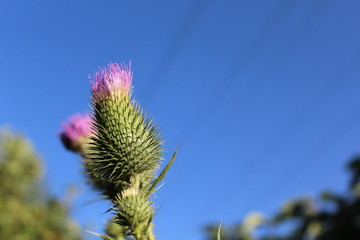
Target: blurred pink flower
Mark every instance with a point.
(75, 129)
(113, 80)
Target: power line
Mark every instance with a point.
(239, 66)
(299, 31)
(345, 125)
(262, 36)
(312, 105)
(294, 37)
(173, 50)
(339, 81)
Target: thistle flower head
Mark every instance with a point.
(113, 80)
(126, 143)
(75, 129)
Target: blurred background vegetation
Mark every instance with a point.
(27, 212)
(330, 216)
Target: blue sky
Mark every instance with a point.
(262, 96)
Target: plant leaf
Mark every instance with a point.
(218, 236)
(163, 173)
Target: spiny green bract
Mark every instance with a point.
(136, 212)
(125, 142)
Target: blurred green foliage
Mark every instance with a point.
(329, 216)
(26, 211)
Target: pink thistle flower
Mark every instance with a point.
(75, 130)
(114, 80)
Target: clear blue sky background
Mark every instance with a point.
(263, 96)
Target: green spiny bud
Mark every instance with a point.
(135, 211)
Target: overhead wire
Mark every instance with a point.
(298, 32)
(312, 106)
(250, 53)
(300, 118)
(347, 123)
(208, 106)
(244, 59)
(340, 80)
(173, 50)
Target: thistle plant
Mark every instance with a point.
(122, 151)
